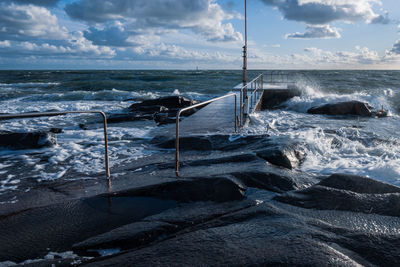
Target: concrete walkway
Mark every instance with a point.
(216, 117)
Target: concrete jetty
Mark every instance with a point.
(219, 117)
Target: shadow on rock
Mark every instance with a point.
(349, 193)
(217, 189)
(266, 181)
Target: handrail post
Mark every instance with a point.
(51, 114)
(177, 145)
(106, 156)
(240, 109)
(251, 96)
(236, 126)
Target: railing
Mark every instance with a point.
(192, 107)
(52, 114)
(245, 107)
(248, 103)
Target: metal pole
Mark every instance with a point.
(251, 96)
(177, 146)
(240, 109)
(106, 157)
(236, 126)
(245, 46)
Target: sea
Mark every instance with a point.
(353, 145)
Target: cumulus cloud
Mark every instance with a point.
(77, 47)
(361, 56)
(5, 43)
(326, 11)
(204, 17)
(396, 48)
(167, 52)
(27, 21)
(316, 31)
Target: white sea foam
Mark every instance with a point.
(362, 146)
(312, 97)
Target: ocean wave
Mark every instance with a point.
(313, 97)
(363, 147)
(29, 84)
(78, 153)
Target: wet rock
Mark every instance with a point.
(186, 143)
(273, 98)
(127, 236)
(267, 181)
(30, 140)
(30, 233)
(170, 102)
(83, 126)
(56, 130)
(160, 226)
(217, 189)
(122, 117)
(284, 155)
(343, 108)
(163, 110)
(213, 142)
(358, 184)
(241, 158)
(349, 193)
(257, 236)
(164, 118)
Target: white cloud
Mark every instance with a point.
(395, 49)
(326, 11)
(25, 22)
(77, 46)
(204, 17)
(316, 31)
(5, 43)
(361, 56)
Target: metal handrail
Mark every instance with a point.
(51, 114)
(192, 107)
(242, 97)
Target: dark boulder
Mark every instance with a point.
(273, 98)
(170, 102)
(343, 108)
(186, 143)
(162, 110)
(284, 155)
(164, 117)
(30, 140)
(122, 117)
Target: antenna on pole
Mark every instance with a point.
(245, 47)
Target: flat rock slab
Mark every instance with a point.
(265, 235)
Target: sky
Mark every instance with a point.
(204, 34)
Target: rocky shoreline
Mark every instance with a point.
(241, 201)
